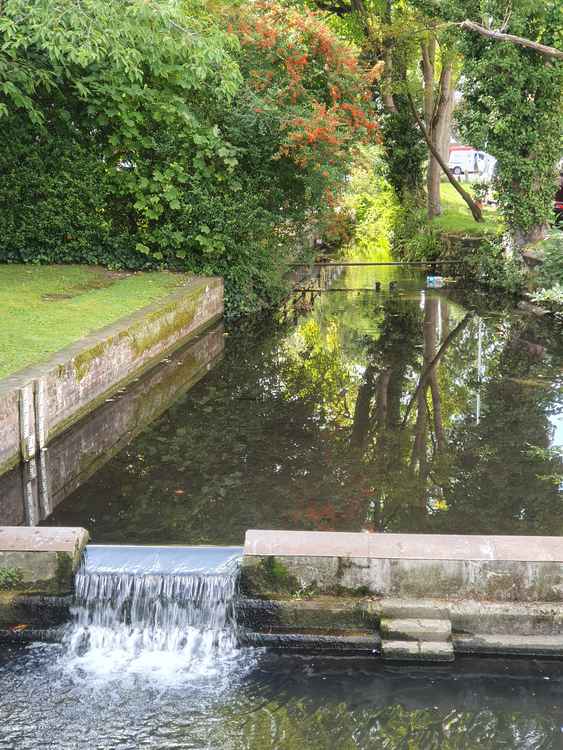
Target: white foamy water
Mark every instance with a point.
(166, 625)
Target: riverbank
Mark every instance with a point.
(45, 308)
(41, 401)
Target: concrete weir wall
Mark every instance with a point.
(37, 567)
(40, 402)
(404, 596)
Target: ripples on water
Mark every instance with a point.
(275, 703)
(314, 423)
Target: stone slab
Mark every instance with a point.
(403, 546)
(41, 560)
(43, 539)
(509, 645)
(417, 651)
(415, 630)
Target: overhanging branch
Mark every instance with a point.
(500, 36)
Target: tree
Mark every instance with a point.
(512, 106)
(216, 137)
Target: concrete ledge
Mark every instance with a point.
(403, 546)
(342, 645)
(509, 645)
(33, 489)
(40, 402)
(405, 566)
(38, 560)
(425, 596)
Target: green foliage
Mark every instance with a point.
(550, 272)
(405, 151)
(10, 578)
(126, 145)
(374, 205)
(414, 237)
(489, 264)
(512, 107)
(552, 298)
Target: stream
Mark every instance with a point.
(399, 410)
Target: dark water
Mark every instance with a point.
(281, 703)
(412, 411)
(407, 411)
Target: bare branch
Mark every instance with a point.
(499, 36)
(473, 207)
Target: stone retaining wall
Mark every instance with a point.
(42, 401)
(33, 489)
(421, 597)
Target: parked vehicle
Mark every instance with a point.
(558, 205)
(467, 161)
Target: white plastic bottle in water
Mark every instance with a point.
(435, 281)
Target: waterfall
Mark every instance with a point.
(166, 610)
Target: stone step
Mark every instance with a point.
(409, 609)
(338, 643)
(416, 629)
(417, 651)
(509, 645)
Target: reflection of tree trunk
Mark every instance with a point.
(437, 412)
(382, 389)
(445, 315)
(430, 343)
(360, 425)
(418, 458)
(395, 395)
(423, 380)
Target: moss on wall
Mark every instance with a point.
(10, 578)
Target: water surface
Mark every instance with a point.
(283, 703)
(408, 411)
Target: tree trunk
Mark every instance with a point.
(437, 120)
(433, 171)
(473, 207)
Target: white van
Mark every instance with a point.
(467, 161)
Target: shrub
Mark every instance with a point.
(165, 137)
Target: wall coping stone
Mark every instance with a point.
(42, 539)
(267, 543)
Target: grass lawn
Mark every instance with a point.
(457, 218)
(45, 308)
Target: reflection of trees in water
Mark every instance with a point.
(364, 415)
(296, 725)
(416, 445)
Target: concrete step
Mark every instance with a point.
(311, 643)
(427, 651)
(509, 645)
(410, 609)
(416, 629)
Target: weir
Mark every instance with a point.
(154, 608)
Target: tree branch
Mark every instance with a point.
(473, 207)
(424, 377)
(499, 36)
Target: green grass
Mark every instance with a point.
(45, 308)
(457, 219)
